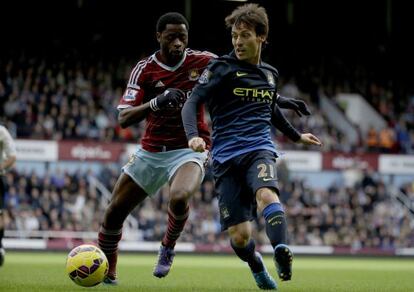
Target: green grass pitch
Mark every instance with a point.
(46, 272)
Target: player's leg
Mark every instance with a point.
(276, 230)
(2, 190)
(262, 178)
(125, 197)
(237, 209)
(244, 247)
(184, 184)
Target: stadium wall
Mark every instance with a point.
(66, 244)
(310, 161)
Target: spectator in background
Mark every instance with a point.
(386, 140)
(372, 139)
(7, 160)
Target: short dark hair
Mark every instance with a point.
(171, 18)
(252, 15)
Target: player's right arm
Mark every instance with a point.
(132, 115)
(207, 85)
(135, 114)
(132, 108)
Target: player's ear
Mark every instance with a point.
(158, 35)
(262, 38)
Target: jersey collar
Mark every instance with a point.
(166, 67)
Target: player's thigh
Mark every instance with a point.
(236, 203)
(126, 194)
(261, 172)
(187, 179)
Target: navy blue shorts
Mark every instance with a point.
(237, 181)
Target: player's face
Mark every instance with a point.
(247, 45)
(173, 41)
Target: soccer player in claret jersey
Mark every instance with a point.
(240, 92)
(156, 91)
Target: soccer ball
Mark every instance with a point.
(87, 265)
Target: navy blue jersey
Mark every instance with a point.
(239, 97)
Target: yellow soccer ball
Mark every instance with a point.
(87, 265)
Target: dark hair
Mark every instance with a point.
(171, 18)
(252, 15)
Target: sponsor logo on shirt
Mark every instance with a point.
(159, 84)
(241, 74)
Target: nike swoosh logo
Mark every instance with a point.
(240, 74)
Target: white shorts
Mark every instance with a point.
(151, 170)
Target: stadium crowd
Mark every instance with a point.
(355, 216)
(41, 99)
(75, 100)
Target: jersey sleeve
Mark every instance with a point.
(282, 124)
(208, 83)
(134, 93)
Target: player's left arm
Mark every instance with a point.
(282, 124)
(299, 106)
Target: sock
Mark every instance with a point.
(175, 227)
(276, 226)
(247, 254)
(1, 237)
(108, 243)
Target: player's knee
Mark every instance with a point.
(180, 195)
(240, 235)
(240, 238)
(266, 196)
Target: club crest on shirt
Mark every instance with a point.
(205, 77)
(224, 212)
(130, 94)
(270, 79)
(193, 75)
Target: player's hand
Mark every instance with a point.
(171, 96)
(197, 144)
(299, 106)
(309, 139)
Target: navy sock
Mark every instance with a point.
(247, 254)
(276, 226)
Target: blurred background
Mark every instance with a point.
(64, 66)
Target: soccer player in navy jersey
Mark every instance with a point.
(156, 91)
(240, 92)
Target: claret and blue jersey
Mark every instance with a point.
(239, 97)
